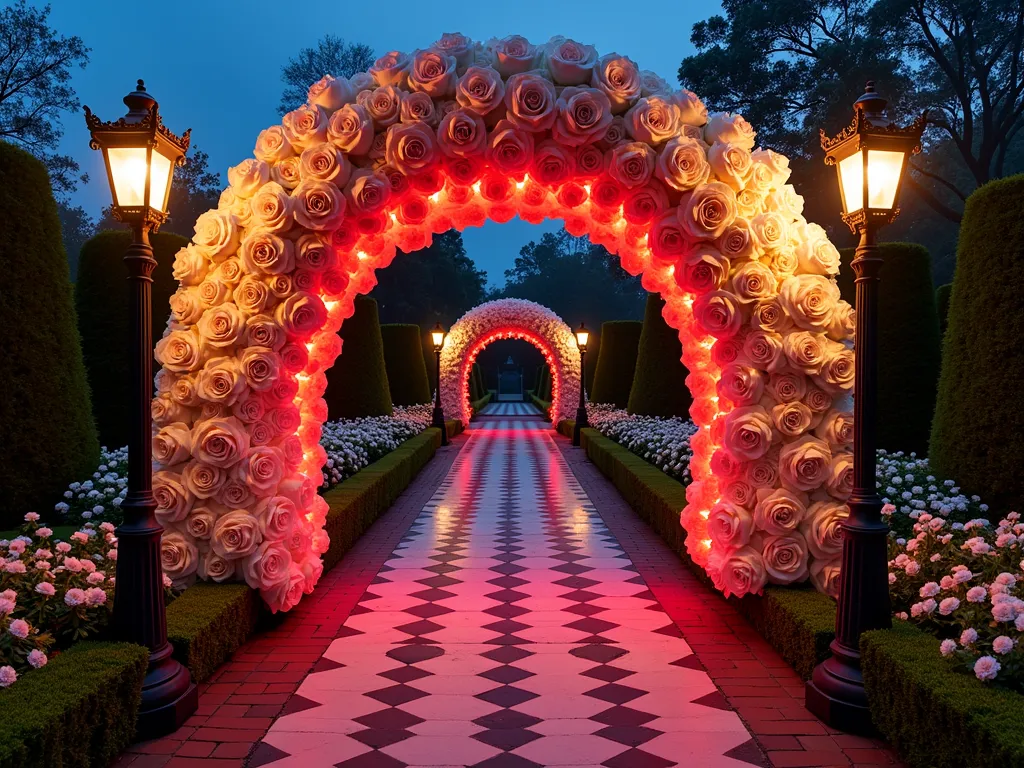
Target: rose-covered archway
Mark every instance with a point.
(510, 319)
(452, 136)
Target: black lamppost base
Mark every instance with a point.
(835, 694)
(169, 696)
(438, 421)
(581, 424)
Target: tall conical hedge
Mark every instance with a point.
(909, 345)
(544, 383)
(616, 362)
(942, 294)
(978, 433)
(593, 352)
(47, 435)
(403, 360)
(101, 301)
(357, 384)
(659, 382)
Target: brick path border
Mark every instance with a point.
(756, 681)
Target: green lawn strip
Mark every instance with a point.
(78, 710)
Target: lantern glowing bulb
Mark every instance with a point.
(582, 336)
(437, 336)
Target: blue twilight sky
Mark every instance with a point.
(215, 65)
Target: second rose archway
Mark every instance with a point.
(510, 319)
(451, 136)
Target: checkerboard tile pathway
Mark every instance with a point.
(509, 409)
(508, 629)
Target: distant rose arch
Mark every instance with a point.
(510, 319)
(449, 137)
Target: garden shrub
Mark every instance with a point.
(480, 404)
(659, 382)
(356, 503)
(476, 382)
(909, 345)
(47, 434)
(978, 432)
(543, 391)
(101, 300)
(78, 710)
(933, 716)
(590, 364)
(942, 294)
(403, 360)
(208, 622)
(616, 362)
(357, 384)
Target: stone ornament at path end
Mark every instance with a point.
(452, 136)
(510, 319)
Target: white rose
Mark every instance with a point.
(729, 129)
(178, 556)
(173, 499)
(810, 301)
(248, 176)
(804, 463)
(235, 535)
(785, 558)
(217, 234)
(823, 529)
(779, 511)
(172, 444)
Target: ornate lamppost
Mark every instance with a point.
(582, 337)
(437, 336)
(871, 157)
(140, 154)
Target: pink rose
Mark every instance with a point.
(631, 164)
(768, 315)
(701, 269)
(184, 391)
(324, 162)
(840, 476)
(511, 149)
(844, 322)
(682, 164)
(285, 594)
(367, 192)
(530, 100)
(220, 442)
(584, 115)
(287, 173)
(251, 296)
(619, 78)
(461, 133)
(653, 120)
(179, 351)
(221, 382)
(166, 411)
(717, 314)
(216, 235)
(392, 69)
(213, 290)
(513, 55)
(792, 419)
(730, 164)
(272, 146)
(383, 105)
(737, 572)
(306, 126)
(173, 499)
(569, 62)
(457, 45)
(838, 371)
(260, 366)
(272, 208)
(772, 168)
(805, 351)
(301, 315)
(267, 566)
(764, 350)
(823, 529)
(753, 282)
(179, 557)
(642, 204)
(351, 129)
(480, 90)
(741, 385)
(825, 576)
(213, 567)
(836, 428)
(785, 558)
(433, 72)
(652, 84)
(262, 469)
(729, 129)
(729, 526)
(817, 400)
(190, 265)
(736, 241)
(262, 331)
(331, 93)
(318, 205)
(235, 535)
(261, 253)
(691, 109)
(779, 512)
(553, 164)
(312, 253)
(203, 480)
(277, 515)
(229, 270)
(172, 444)
(668, 242)
(248, 176)
(234, 495)
(418, 107)
(707, 211)
(747, 432)
(804, 463)
(770, 233)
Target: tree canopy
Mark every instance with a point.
(331, 56)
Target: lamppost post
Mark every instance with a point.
(140, 154)
(582, 337)
(437, 336)
(871, 156)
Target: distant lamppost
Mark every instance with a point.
(140, 154)
(871, 157)
(582, 337)
(437, 336)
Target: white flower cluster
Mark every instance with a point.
(100, 496)
(907, 483)
(663, 442)
(352, 444)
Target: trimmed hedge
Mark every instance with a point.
(798, 623)
(593, 353)
(208, 622)
(942, 294)
(47, 435)
(78, 710)
(978, 432)
(659, 382)
(101, 300)
(403, 362)
(543, 390)
(479, 404)
(476, 378)
(934, 716)
(909, 344)
(544, 405)
(616, 362)
(357, 384)
(356, 503)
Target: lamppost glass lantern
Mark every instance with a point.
(871, 156)
(140, 154)
(582, 337)
(437, 336)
